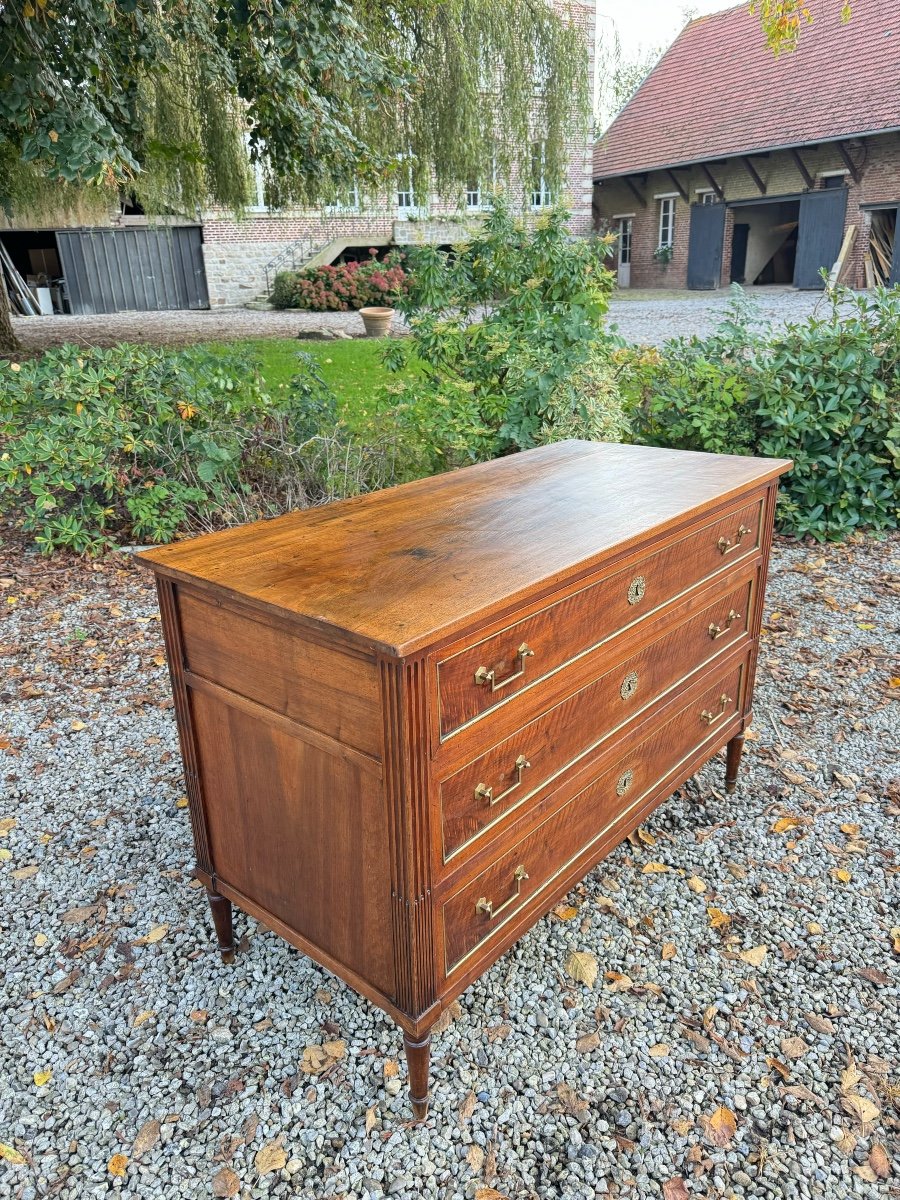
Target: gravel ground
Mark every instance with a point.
(748, 993)
(642, 317)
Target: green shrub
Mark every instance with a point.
(588, 404)
(824, 391)
(500, 328)
(137, 444)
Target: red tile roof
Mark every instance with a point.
(719, 91)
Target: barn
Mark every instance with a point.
(733, 165)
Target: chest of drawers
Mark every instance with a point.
(410, 722)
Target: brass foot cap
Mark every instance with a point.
(227, 956)
(420, 1108)
(730, 785)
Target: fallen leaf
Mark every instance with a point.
(660, 1050)
(696, 885)
(776, 1065)
(371, 1119)
(75, 916)
(819, 1024)
(467, 1107)
(199, 1015)
(77, 725)
(271, 1158)
(391, 1068)
(879, 1161)
(565, 912)
(587, 1043)
(40, 939)
(850, 829)
(682, 1126)
(674, 1189)
(814, 927)
(754, 956)
(582, 966)
(475, 1157)
(803, 1093)
(489, 1193)
(874, 976)
(717, 918)
(25, 872)
(225, 1183)
(794, 1047)
(861, 1108)
(5, 855)
(143, 1017)
(317, 1059)
(721, 1126)
(118, 1165)
(783, 824)
(841, 874)
(451, 1013)
(654, 868)
(42, 1077)
(669, 950)
(148, 1136)
(182, 802)
(647, 838)
(850, 1077)
(617, 982)
(6, 825)
(156, 934)
(11, 1155)
(570, 1100)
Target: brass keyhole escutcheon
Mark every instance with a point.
(629, 685)
(636, 590)
(626, 779)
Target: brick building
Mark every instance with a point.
(216, 260)
(732, 165)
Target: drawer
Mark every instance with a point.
(482, 907)
(487, 672)
(479, 795)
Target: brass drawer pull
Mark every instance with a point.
(483, 792)
(483, 675)
(726, 545)
(717, 631)
(487, 906)
(709, 717)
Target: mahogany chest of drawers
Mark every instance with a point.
(411, 721)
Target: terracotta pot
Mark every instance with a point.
(377, 321)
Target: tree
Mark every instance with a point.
(618, 78)
(172, 102)
(782, 20)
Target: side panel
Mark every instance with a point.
(819, 236)
(707, 238)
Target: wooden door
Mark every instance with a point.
(819, 236)
(707, 236)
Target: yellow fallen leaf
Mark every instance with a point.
(272, 1157)
(317, 1059)
(11, 1155)
(895, 939)
(391, 1068)
(582, 966)
(696, 885)
(754, 956)
(814, 927)
(850, 1077)
(660, 1050)
(850, 829)
(7, 824)
(894, 681)
(717, 918)
(40, 939)
(654, 868)
(617, 982)
(783, 824)
(841, 874)
(669, 950)
(475, 1158)
(647, 838)
(861, 1108)
(5, 855)
(371, 1119)
(181, 802)
(682, 1126)
(156, 934)
(794, 1047)
(721, 1126)
(143, 1017)
(25, 872)
(864, 625)
(42, 1077)
(77, 725)
(565, 912)
(118, 1165)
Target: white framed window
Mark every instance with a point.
(474, 199)
(624, 241)
(345, 202)
(706, 196)
(667, 221)
(541, 195)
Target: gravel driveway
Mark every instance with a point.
(748, 989)
(642, 317)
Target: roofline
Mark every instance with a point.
(690, 162)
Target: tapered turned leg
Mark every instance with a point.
(733, 752)
(221, 914)
(418, 1057)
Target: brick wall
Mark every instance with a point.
(877, 159)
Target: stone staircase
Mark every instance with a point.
(306, 252)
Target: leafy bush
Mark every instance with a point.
(501, 327)
(588, 404)
(824, 391)
(340, 287)
(137, 443)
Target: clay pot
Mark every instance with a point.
(377, 321)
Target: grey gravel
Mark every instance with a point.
(647, 318)
(136, 1031)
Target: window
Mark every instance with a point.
(833, 181)
(667, 221)
(624, 241)
(706, 196)
(473, 195)
(345, 202)
(541, 196)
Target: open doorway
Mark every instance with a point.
(764, 243)
(881, 253)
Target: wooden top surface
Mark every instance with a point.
(397, 569)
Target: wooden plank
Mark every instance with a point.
(754, 174)
(801, 167)
(713, 182)
(635, 191)
(841, 261)
(848, 162)
(681, 191)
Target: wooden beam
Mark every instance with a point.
(712, 181)
(754, 174)
(681, 192)
(801, 167)
(635, 191)
(848, 162)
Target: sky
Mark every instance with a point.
(643, 24)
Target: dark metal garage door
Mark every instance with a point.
(707, 235)
(820, 235)
(119, 270)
